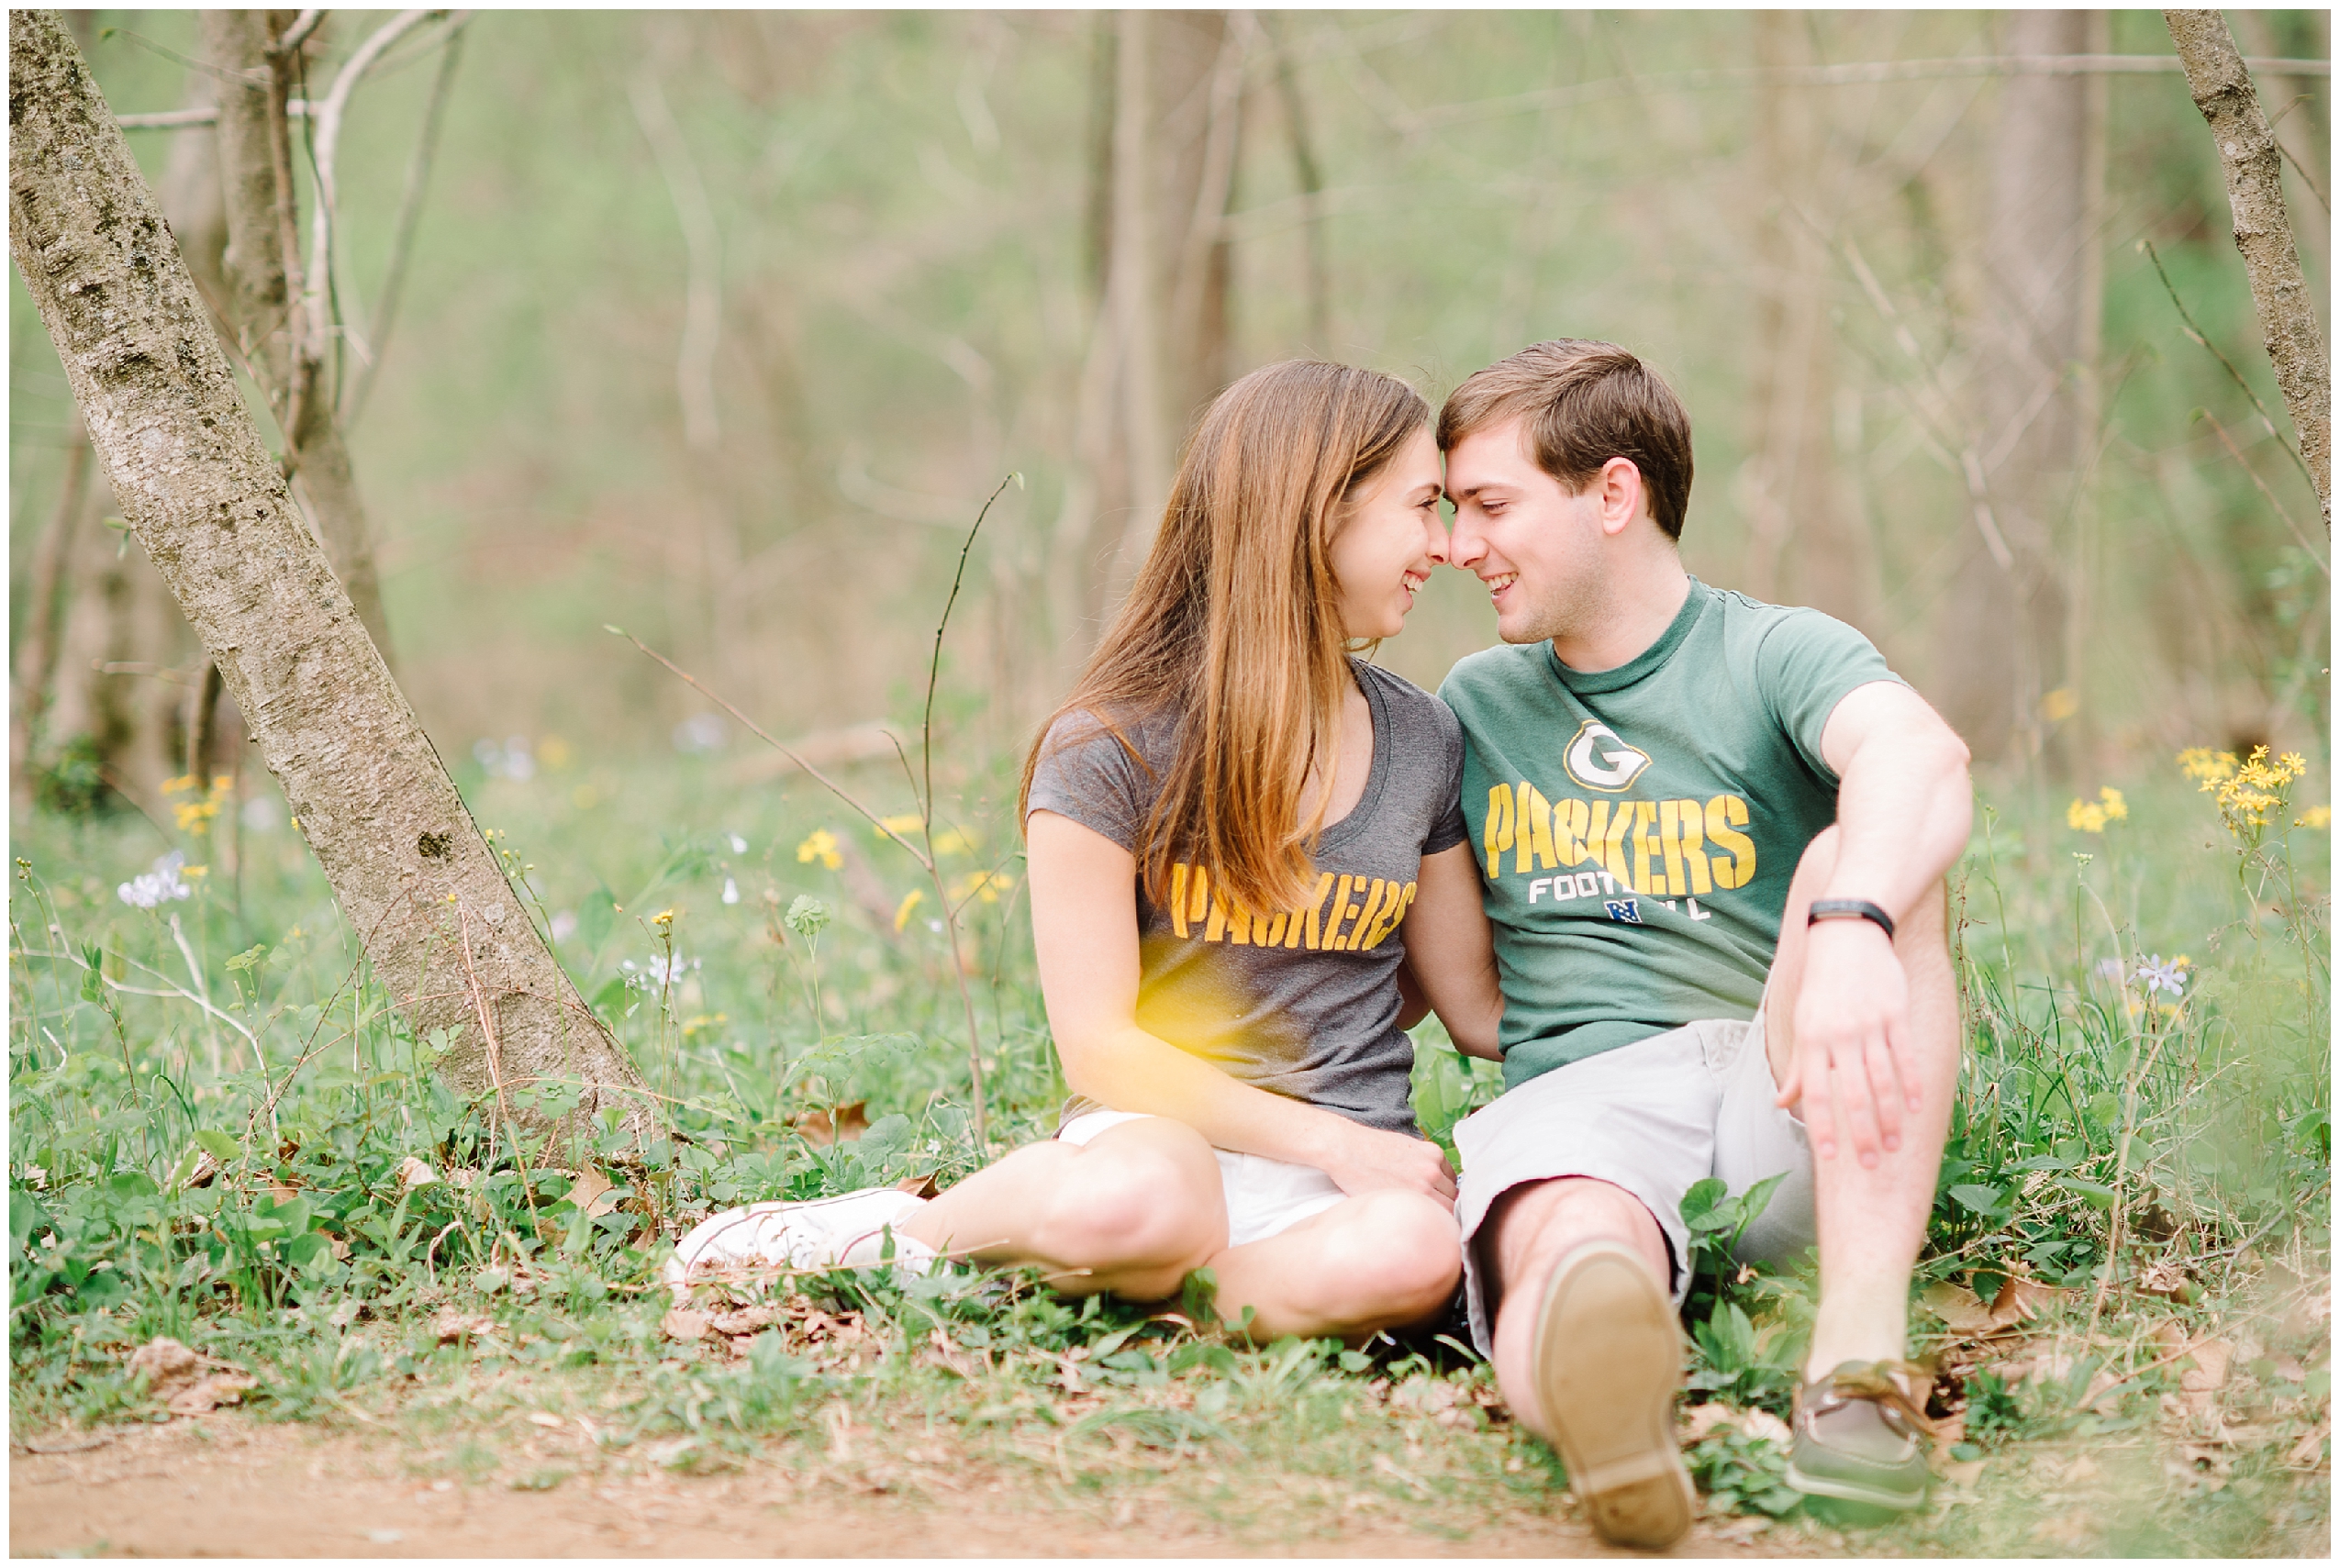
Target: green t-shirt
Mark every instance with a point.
(1637, 829)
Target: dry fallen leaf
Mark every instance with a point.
(414, 1172)
(208, 1394)
(2020, 1300)
(2165, 1277)
(1700, 1419)
(683, 1324)
(2308, 1452)
(918, 1186)
(823, 1128)
(2208, 1371)
(590, 1191)
(745, 1319)
(546, 1419)
(1424, 1394)
(1957, 1306)
(166, 1362)
(188, 1383)
(451, 1325)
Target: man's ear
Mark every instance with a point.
(1618, 490)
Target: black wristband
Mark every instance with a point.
(1850, 909)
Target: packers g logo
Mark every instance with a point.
(1599, 759)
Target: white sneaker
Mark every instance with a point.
(848, 1231)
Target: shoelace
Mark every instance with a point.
(1874, 1381)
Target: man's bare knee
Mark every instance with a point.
(1532, 1226)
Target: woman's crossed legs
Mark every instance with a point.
(1142, 1205)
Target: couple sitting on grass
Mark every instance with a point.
(1673, 856)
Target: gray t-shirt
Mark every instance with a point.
(1299, 1002)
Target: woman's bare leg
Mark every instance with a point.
(1132, 1211)
(1384, 1260)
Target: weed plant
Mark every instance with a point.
(222, 1132)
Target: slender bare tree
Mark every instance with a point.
(1163, 172)
(1809, 542)
(425, 891)
(2254, 169)
(2002, 645)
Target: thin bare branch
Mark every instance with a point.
(702, 252)
(327, 127)
(2220, 82)
(297, 33)
(2280, 509)
(1854, 73)
(2193, 330)
(402, 237)
(752, 728)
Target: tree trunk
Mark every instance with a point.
(36, 665)
(1169, 86)
(1310, 175)
(2002, 639)
(1132, 290)
(1808, 543)
(263, 302)
(2246, 153)
(418, 883)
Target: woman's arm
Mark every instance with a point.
(1084, 931)
(1452, 951)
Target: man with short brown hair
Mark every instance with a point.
(1712, 835)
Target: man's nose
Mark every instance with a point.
(1465, 548)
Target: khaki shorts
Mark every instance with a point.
(1651, 1117)
(1265, 1197)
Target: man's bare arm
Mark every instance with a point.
(1904, 805)
(1904, 810)
(1451, 951)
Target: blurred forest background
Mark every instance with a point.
(720, 326)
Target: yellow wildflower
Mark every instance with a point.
(194, 816)
(2318, 817)
(988, 885)
(820, 845)
(195, 871)
(902, 914)
(663, 918)
(897, 827)
(179, 785)
(2091, 816)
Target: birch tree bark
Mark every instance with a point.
(413, 874)
(2254, 168)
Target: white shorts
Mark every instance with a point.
(1651, 1117)
(1265, 1197)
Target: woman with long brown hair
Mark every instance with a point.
(1240, 836)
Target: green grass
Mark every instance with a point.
(213, 1143)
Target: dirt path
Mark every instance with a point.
(227, 1486)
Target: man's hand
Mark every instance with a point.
(1852, 1013)
(1366, 1160)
